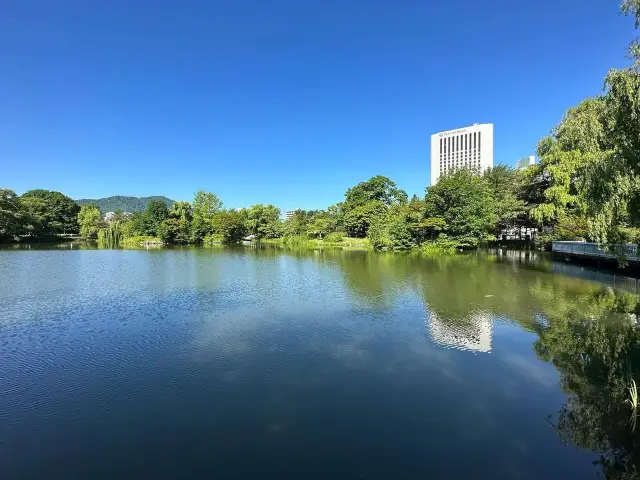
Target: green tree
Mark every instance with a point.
(465, 202)
(153, 216)
(378, 188)
(392, 231)
(593, 155)
(510, 210)
(358, 219)
(297, 224)
(611, 183)
(90, 221)
(181, 211)
(581, 139)
(231, 224)
(34, 211)
(261, 220)
(367, 202)
(205, 206)
(336, 216)
(10, 215)
(49, 213)
(177, 228)
(273, 229)
(429, 228)
(320, 226)
(572, 227)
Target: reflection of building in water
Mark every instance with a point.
(472, 333)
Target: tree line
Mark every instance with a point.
(461, 208)
(585, 186)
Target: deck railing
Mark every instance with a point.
(629, 250)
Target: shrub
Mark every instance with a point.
(335, 237)
(213, 239)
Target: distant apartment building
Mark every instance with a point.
(291, 213)
(525, 163)
(467, 147)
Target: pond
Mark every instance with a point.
(253, 363)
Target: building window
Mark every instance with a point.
(474, 140)
(479, 139)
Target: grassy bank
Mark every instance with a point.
(341, 242)
(141, 241)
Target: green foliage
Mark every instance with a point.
(320, 226)
(611, 184)
(466, 204)
(10, 214)
(505, 184)
(591, 164)
(367, 202)
(213, 239)
(90, 221)
(125, 204)
(263, 221)
(49, 213)
(335, 237)
(558, 170)
(205, 206)
(141, 241)
(177, 227)
(273, 229)
(393, 231)
(597, 358)
(380, 189)
(231, 224)
(110, 236)
(572, 227)
(151, 221)
(181, 211)
(443, 245)
(156, 211)
(358, 219)
(429, 228)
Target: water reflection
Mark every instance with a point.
(586, 322)
(330, 351)
(472, 334)
(597, 359)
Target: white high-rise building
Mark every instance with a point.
(468, 147)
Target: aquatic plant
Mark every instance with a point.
(633, 403)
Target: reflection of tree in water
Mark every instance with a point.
(589, 332)
(597, 353)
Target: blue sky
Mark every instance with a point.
(287, 102)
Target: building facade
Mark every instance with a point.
(525, 163)
(291, 213)
(468, 147)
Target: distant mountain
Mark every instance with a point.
(126, 204)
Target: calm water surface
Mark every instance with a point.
(250, 363)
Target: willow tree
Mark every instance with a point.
(611, 183)
(581, 138)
